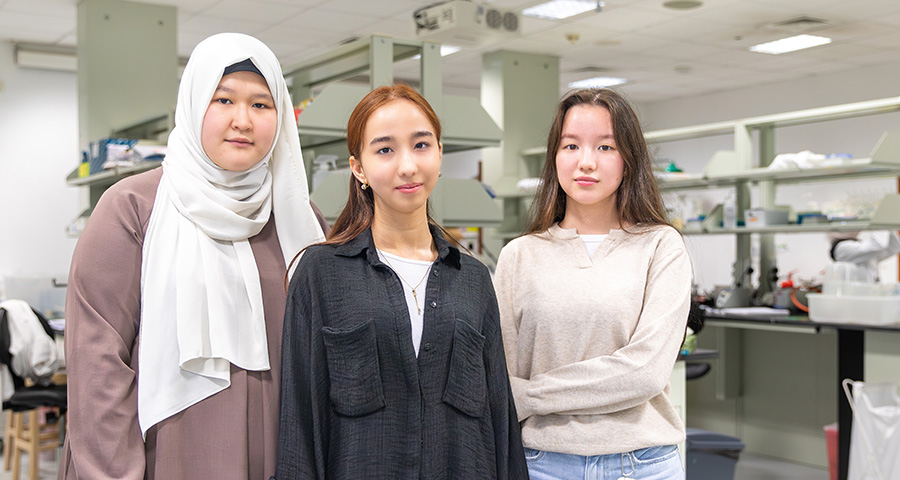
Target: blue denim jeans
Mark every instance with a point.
(653, 463)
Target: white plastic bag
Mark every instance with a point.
(875, 437)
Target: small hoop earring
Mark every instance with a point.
(440, 174)
(363, 186)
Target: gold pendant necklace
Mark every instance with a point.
(415, 297)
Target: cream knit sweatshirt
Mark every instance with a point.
(591, 340)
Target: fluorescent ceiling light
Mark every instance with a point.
(597, 82)
(559, 9)
(790, 44)
(47, 59)
(445, 50)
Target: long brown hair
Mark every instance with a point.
(637, 198)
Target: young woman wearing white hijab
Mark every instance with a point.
(176, 292)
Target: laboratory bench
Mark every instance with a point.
(850, 354)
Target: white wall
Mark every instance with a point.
(38, 148)
(807, 254)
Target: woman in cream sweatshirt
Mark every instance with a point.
(593, 303)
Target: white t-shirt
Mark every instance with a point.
(591, 242)
(413, 274)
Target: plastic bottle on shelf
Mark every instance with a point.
(729, 212)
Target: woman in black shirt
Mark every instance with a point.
(393, 364)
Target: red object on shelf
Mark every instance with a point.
(789, 283)
(831, 444)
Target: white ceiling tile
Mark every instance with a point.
(783, 63)
(569, 35)
(809, 5)
(892, 19)
(657, 6)
(868, 10)
(750, 14)
(304, 36)
(736, 58)
(625, 63)
(689, 69)
(282, 50)
(822, 68)
(295, 3)
(375, 10)
(685, 51)
(49, 8)
(878, 57)
(840, 51)
(633, 43)
(531, 25)
(27, 35)
(720, 74)
(320, 20)
(268, 13)
(295, 59)
(392, 28)
(288, 35)
(852, 31)
(891, 40)
(623, 19)
(650, 92)
(753, 78)
(209, 26)
(40, 24)
(688, 30)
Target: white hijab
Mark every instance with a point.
(201, 307)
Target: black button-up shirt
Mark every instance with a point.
(358, 403)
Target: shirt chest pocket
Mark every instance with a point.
(466, 388)
(353, 369)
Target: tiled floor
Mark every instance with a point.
(750, 467)
(48, 469)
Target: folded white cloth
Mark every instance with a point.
(804, 159)
(34, 353)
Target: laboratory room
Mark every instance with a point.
(739, 159)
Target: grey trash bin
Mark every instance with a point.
(711, 455)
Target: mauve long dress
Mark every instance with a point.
(230, 435)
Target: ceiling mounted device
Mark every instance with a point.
(460, 22)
